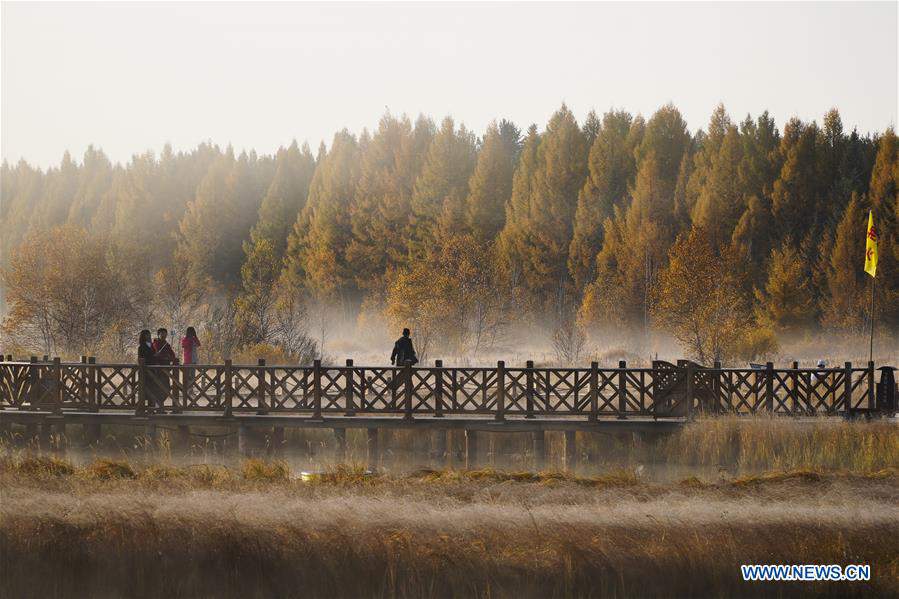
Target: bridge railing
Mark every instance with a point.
(663, 390)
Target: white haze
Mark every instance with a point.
(128, 77)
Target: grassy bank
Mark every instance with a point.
(110, 528)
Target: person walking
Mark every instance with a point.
(190, 350)
(403, 351)
(163, 355)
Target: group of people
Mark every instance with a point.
(159, 352)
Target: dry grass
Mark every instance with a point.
(786, 444)
(824, 492)
(260, 530)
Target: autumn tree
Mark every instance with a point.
(636, 238)
(540, 218)
(490, 186)
(787, 304)
(701, 300)
(62, 293)
(611, 171)
(438, 198)
(448, 297)
(317, 256)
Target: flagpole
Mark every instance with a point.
(871, 350)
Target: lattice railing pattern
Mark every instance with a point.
(661, 391)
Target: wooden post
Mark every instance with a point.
(93, 384)
(769, 387)
(82, 382)
(374, 449)
(407, 390)
(622, 392)
(260, 387)
(31, 433)
(471, 449)
(177, 386)
(715, 408)
(438, 448)
(794, 386)
(278, 440)
(688, 392)
(529, 389)
(539, 441)
(350, 407)
(438, 392)
(500, 391)
(57, 386)
(243, 440)
(183, 437)
(594, 391)
(46, 435)
(847, 388)
(317, 389)
(150, 433)
(570, 451)
(871, 388)
(34, 382)
(229, 389)
(340, 445)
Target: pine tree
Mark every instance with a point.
(285, 197)
(844, 307)
(381, 208)
(721, 203)
(787, 303)
(219, 219)
(883, 196)
(317, 249)
(438, 200)
(612, 169)
(541, 213)
(797, 189)
(490, 186)
(637, 238)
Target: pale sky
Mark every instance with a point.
(131, 77)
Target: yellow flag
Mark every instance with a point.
(871, 246)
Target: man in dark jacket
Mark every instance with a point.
(163, 355)
(403, 350)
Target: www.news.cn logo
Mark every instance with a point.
(806, 572)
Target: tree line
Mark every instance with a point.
(734, 240)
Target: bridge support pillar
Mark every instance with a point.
(570, 451)
(60, 441)
(183, 438)
(539, 441)
(471, 450)
(244, 445)
(374, 449)
(31, 436)
(340, 445)
(438, 448)
(150, 433)
(45, 436)
(93, 433)
(277, 441)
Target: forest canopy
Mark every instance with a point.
(734, 239)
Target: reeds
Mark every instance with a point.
(438, 534)
(785, 444)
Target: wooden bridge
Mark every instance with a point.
(661, 397)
